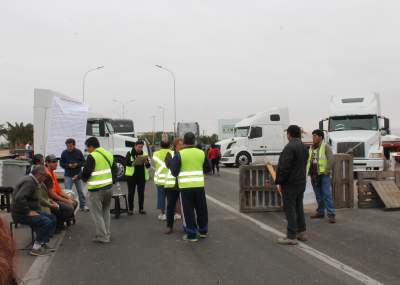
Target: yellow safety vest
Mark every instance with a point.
(102, 174)
(130, 170)
(161, 170)
(191, 174)
(322, 159)
(170, 181)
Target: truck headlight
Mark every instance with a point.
(376, 155)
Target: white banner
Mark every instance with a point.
(67, 119)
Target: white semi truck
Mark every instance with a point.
(355, 126)
(58, 117)
(256, 138)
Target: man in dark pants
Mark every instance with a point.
(189, 166)
(172, 189)
(137, 174)
(26, 210)
(291, 181)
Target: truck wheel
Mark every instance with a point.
(243, 158)
(120, 161)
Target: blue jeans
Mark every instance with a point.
(161, 197)
(44, 225)
(68, 184)
(323, 194)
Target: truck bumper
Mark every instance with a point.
(228, 160)
(368, 164)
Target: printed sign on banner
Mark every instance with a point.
(67, 119)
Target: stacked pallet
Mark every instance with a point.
(379, 189)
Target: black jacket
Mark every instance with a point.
(292, 164)
(75, 156)
(139, 169)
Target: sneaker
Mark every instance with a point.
(142, 212)
(130, 213)
(86, 209)
(177, 217)
(160, 217)
(163, 217)
(317, 216)
(186, 238)
(302, 237)
(332, 219)
(49, 248)
(40, 252)
(100, 240)
(287, 241)
(203, 235)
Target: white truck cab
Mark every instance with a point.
(102, 128)
(355, 127)
(256, 138)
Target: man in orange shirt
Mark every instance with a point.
(66, 202)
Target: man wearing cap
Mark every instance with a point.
(320, 162)
(291, 181)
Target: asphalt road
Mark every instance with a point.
(236, 252)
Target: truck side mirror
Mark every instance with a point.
(386, 124)
(321, 125)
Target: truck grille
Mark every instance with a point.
(345, 147)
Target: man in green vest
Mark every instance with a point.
(160, 176)
(99, 174)
(137, 173)
(320, 161)
(189, 166)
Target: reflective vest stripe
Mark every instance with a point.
(191, 173)
(101, 172)
(99, 182)
(194, 179)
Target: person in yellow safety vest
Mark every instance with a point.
(172, 190)
(99, 174)
(319, 165)
(160, 176)
(137, 173)
(189, 166)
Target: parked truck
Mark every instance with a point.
(184, 128)
(57, 117)
(355, 126)
(256, 138)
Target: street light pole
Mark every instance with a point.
(163, 117)
(173, 77)
(123, 104)
(154, 127)
(84, 80)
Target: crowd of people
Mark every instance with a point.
(179, 169)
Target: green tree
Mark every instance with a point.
(17, 134)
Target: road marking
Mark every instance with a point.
(303, 247)
(39, 267)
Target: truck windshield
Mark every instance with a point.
(357, 122)
(242, 132)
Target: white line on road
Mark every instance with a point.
(303, 247)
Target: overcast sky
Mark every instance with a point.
(231, 58)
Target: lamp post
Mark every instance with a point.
(173, 77)
(123, 104)
(154, 127)
(84, 80)
(163, 117)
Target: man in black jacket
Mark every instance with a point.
(291, 180)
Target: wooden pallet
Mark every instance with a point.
(388, 192)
